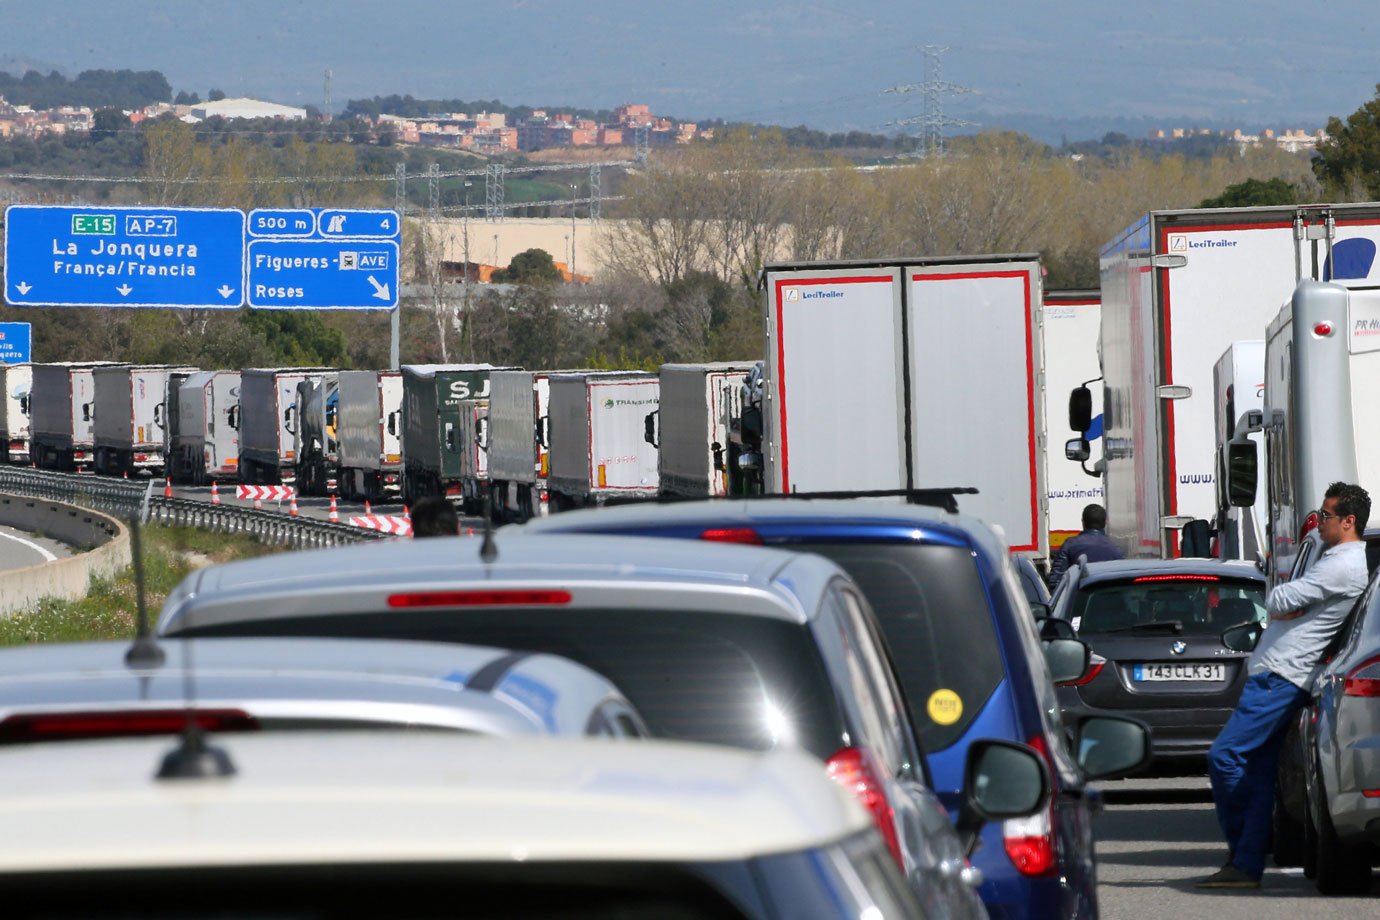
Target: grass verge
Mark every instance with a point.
(110, 606)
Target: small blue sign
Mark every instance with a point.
(16, 343)
(61, 256)
(348, 261)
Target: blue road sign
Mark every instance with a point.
(124, 257)
(16, 343)
(286, 222)
(348, 260)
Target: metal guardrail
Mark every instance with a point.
(126, 499)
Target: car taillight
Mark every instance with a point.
(1364, 679)
(1310, 524)
(732, 535)
(1144, 578)
(1029, 842)
(64, 726)
(499, 598)
(1095, 665)
(854, 770)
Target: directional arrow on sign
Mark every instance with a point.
(124, 289)
(24, 287)
(380, 290)
(225, 290)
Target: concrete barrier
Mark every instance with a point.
(102, 542)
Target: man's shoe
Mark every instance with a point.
(1229, 877)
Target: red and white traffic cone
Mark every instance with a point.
(334, 516)
(126, 475)
(215, 493)
(367, 509)
(292, 505)
(407, 515)
(167, 487)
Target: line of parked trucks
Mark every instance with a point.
(877, 375)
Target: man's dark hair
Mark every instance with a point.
(434, 516)
(1094, 517)
(1351, 500)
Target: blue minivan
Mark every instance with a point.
(964, 645)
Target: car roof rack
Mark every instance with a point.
(945, 499)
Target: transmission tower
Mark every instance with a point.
(933, 90)
(493, 191)
(328, 94)
(400, 189)
(594, 195)
(433, 187)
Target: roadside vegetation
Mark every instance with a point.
(110, 608)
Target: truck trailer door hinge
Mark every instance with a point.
(1168, 260)
(1176, 521)
(1173, 391)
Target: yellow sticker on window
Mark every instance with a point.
(944, 707)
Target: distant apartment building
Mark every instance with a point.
(25, 121)
(1291, 139)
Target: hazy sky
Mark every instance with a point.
(819, 63)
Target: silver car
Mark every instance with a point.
(86, 690)
(740, 646)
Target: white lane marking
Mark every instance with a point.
(48, 556)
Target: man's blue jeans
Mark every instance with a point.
(1242, 766)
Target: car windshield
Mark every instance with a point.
(720, 678)
(934, 615)
(1204, 605)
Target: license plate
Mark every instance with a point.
(1179, 671)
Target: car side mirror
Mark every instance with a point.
(1055, 628)
(1077, 449)
(1242, 472)
(1108, 747)
(1002, 780)
(1243, 638)
(1068, 659)
(1080, 409)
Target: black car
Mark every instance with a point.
(1155, 628)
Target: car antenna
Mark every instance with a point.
(488, 550)
(144, 652)
(193, 758)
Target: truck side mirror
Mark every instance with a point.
(1195, 541)
(1242, 471)
(1077, 449)
(86, 412)
(649, 433)
(1080, 409)
(232, 418)
(393, 423)
(544, 431)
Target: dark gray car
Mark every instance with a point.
(1155, 629)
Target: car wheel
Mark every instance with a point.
(1341, 869)
(1310, 841)
(1288, 836)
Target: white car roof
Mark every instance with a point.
(347, 798)
(596, 571)
(380, 681)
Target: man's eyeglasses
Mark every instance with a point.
(1324, 515)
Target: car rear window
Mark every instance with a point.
(719, 678)
(571, 891)
(1168, 606)
(934, 614)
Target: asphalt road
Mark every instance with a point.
(19, 550)
(1158, 836)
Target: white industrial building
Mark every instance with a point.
(246, 108)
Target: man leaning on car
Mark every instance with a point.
(1304, 616)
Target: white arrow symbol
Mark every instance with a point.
(23, 287)
(225, 290)
(124, 289)
(380, 290)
